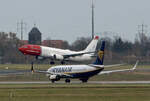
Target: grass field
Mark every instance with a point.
(74, 92)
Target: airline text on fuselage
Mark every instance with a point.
(62, 69)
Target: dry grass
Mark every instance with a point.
(75, 92)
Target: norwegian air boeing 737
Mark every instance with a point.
(42, 52)
(81, 72)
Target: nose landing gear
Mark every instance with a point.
(67, 80)
(52, 62)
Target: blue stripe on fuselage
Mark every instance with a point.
(85, 74)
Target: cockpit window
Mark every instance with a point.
(35, 48)
(25, 47)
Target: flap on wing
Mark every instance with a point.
(77, 54)
(115, 65)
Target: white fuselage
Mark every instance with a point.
(75, 71)
(59, 53)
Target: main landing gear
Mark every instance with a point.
(67, 80)
(62, 62)
(84, 80)
(53, 81)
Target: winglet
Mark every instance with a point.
(135, 65)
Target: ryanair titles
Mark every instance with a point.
(62, 69)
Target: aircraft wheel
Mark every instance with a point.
(52, 62)
(84, 80)
(53, 81)
(67, 80)
(62, 62)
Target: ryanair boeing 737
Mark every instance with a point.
(81, 72)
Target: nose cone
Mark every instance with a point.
(30, 50)
(20, 49)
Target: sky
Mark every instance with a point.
(70, 19)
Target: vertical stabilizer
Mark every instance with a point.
(92, 45)
(100, 55)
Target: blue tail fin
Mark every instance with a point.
(100, 55)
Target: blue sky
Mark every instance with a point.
(69, 19)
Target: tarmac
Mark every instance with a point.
(20, 72)
(75, 82)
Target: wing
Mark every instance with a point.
(122, 70)
(40, 71)
(114, 65)
(12, 72)
(77, 54)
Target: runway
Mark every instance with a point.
(75, 82)
(20, 72)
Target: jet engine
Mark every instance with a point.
(39, 58)
(58, 57)
(54, 77)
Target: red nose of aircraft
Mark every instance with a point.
(30, 49)
(20, 49)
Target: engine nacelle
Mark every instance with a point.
(39, 58)
(54, 77)
(58, 57)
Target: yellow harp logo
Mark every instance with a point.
(100, 54)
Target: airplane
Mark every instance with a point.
(42, 52)
(81, 72)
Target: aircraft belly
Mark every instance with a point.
(86, 74)
(79, 58)
(45, 51)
